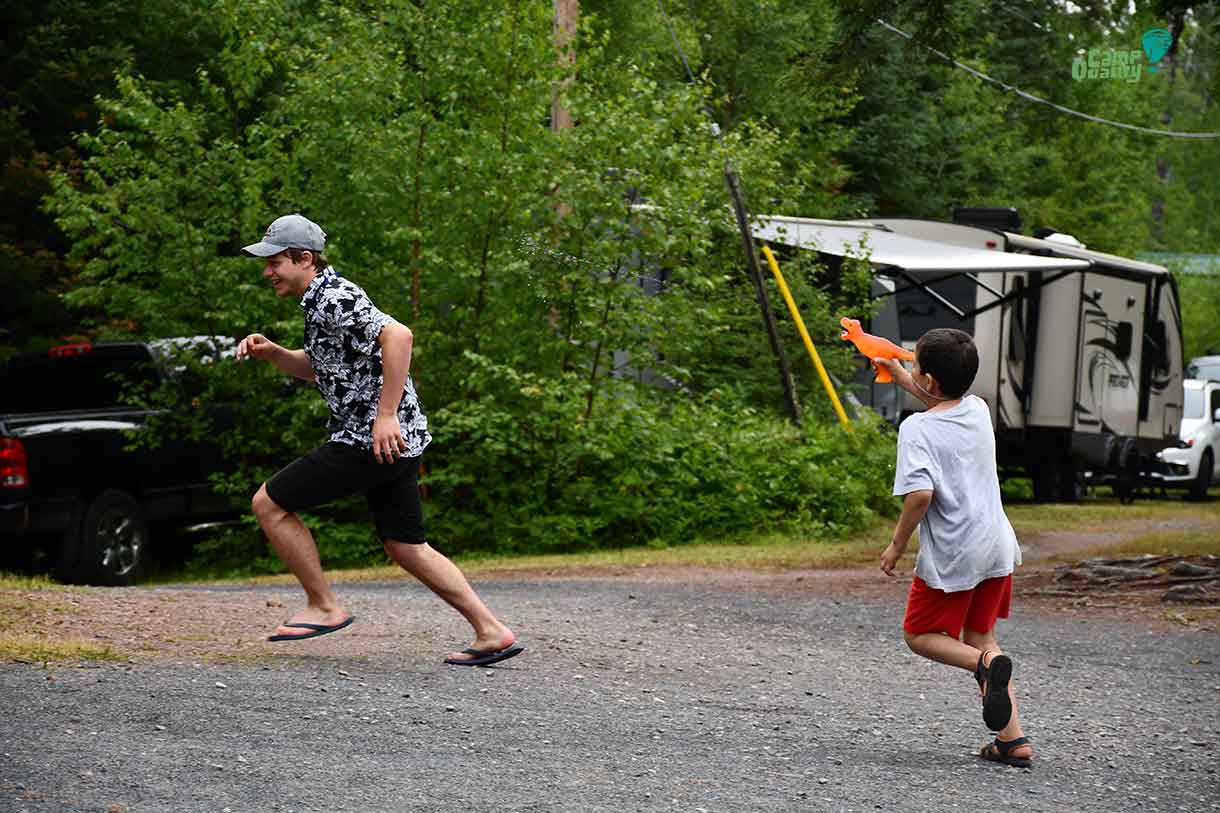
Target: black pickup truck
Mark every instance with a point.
(72, 483)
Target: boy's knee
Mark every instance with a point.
(406, 551)
(262, 504)
(981, 640)
(910, 639)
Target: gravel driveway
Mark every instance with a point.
(695, 691)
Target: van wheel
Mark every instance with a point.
(1203, 480)
(112, 545)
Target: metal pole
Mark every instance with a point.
(800, 326)
(747, 238)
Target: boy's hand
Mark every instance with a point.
(388, 444)
(256, 345)
(890, 557)
(902, 377)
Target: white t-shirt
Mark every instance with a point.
(965, 537)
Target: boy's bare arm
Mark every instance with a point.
(914, 506)
(396, 341)
(294, 362)
(902, 377)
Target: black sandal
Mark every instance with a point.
(993, 683)
(999, 751)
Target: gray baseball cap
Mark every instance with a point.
(289, 231)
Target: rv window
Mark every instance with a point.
(1122, 340)
(1016, 327)
(918, 313)
(1158, 344)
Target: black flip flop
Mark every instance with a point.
(999, 751)
(315, 630)
(486, 657)
(997, 706)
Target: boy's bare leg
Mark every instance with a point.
(294, 544)
(443, 577)
(965, 655)
(943, 649)
(984, 641)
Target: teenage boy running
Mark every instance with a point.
(359, 358)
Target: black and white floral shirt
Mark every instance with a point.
(341, 329)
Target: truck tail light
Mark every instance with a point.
(14, 471)
(64, 350)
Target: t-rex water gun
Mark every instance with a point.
(873, 347)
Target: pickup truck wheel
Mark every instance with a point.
(113, 541)
(1203, 480)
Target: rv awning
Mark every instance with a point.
(1099, 258)
(914, 255)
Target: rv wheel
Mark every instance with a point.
(1071, 483)
(1045, 478)
(1128, 471)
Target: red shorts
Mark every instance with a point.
(976, 609)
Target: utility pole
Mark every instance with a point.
(760, 291)
(567, 12)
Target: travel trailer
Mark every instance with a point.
(1080, 352)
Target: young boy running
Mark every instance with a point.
(946, 475)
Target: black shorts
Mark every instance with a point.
(336, 470)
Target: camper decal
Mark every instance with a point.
(1014, 359)
(1105, 370)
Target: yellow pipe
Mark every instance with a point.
(800, 326)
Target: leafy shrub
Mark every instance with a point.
(516, 468)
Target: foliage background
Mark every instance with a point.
(594, 368)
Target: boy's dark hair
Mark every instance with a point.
(949, 356)
(319, 262)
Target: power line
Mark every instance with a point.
(690, 75)
(1045, 29)
(677, 45)
(1037, 99)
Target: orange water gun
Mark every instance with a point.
(873, 347)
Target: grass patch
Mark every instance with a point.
(765, 551)
(1160, 543)
(17, 581)
(30, 649)
(1106, 512)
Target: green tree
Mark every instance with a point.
(56, 58)
(574, 289)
